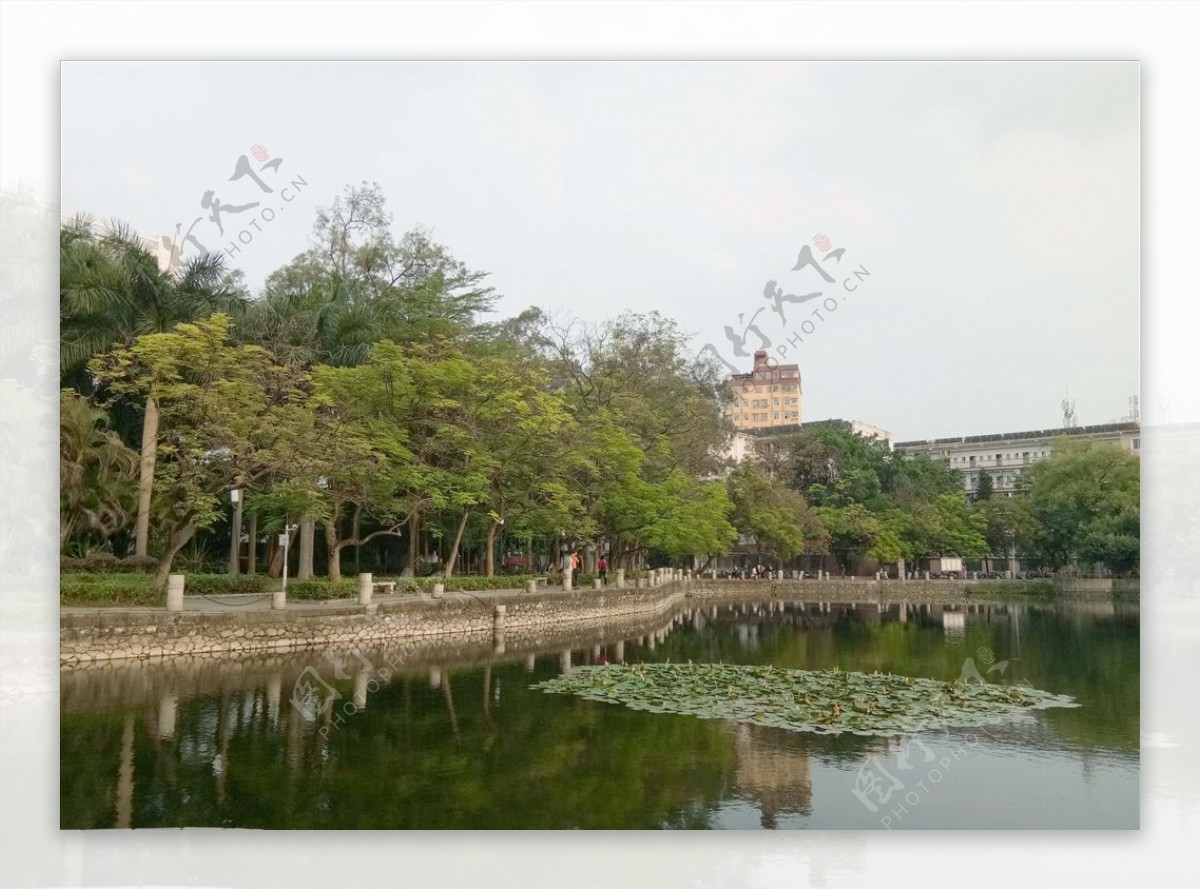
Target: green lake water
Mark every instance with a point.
(457, 739)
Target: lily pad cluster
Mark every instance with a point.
(826, 702)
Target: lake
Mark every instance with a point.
(457, 739)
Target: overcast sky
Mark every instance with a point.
(994, 205)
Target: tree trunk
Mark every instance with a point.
(356, 534)
(331, 546)
(235, 535)
(490, 563)
(275, 567)
(146, 475)
(308, 535)
(452, 556)
(175, 542)
(252, 555)
(414, 542)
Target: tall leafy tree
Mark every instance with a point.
(1084, 504)
(112, 291)
(231, 419)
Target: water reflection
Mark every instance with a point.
(435, 736)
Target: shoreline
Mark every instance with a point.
(500, 618)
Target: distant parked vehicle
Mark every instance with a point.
(946, 567)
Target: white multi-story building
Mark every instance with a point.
(1005, 456)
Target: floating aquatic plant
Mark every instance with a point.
(826, 702)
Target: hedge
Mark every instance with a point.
(1032, 587)
(128, 588)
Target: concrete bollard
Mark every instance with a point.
(366, 586)
(619, 651)
(567, 573)
(439, 589)
(927, 576)
(531, 586)
(596, 585)
(174, 593)
(640, 583)
(620, 578)
(279, 599)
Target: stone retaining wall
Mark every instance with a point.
(121, 634)
(495, 620)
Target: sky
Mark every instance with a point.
(990, 210)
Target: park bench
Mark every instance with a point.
(384, 586)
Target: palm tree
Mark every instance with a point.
(97, 471)
(111, 291)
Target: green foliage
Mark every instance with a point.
(986, 487)
(97, 473)
(821, 702)
(775, 517)
(231, 417)
(321, 589)
(92, 589)
(1084, 505)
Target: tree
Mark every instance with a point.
(1083, 501)
(111, 291)
(231, 417)
(986, 486)
(97, 472)
(776, 518)
(358, 284)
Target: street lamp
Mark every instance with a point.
(283, 539)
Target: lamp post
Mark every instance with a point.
(283, 539)
(235, 533)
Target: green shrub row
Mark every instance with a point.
(106, 563)
(129, 588)
(1032, 587)
(106, 590)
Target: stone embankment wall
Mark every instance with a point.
(145, 633)
(496, 619)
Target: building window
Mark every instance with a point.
(1137, 444)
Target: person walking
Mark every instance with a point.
(602, 570)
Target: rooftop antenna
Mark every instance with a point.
(1068, 409)
(1135, 413)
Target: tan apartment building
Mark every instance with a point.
(770, 395)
